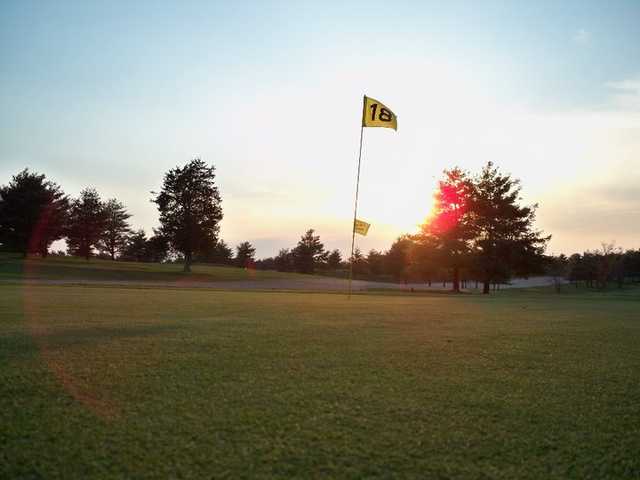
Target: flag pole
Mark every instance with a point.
(355, 208)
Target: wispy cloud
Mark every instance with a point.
(626, 93)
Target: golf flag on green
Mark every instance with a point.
(361, 227)
(376, 114)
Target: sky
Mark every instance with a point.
(113, 94)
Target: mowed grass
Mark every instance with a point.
(156, 383)
(15, 268)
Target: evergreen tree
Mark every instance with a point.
(334, 260)
(190, 209)
(376, 262)
(157, 247)
(135, 248)
(245, 255)
(504, 239)
(33, 213)
(450, 230)
(309, 253)
(284, 260)
(86, 223)
(424, 258)
(116, 228)
(222, 253)
(397, 258)
(358, 263)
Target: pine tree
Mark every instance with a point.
(334, 259)
(190, 209)
(116, 228)
(135, 248)
(245, 255)
(450, 230)
(33, 213)
(86, 223)
(505, 241)
(309, 253)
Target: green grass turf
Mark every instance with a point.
(13, 267)
(156, 383)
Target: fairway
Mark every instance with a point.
(153, 383)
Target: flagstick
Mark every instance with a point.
(355, 212)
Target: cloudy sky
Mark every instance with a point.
(113, 94)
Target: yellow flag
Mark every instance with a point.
(375, 114)
(361, 227)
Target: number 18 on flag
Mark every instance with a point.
(375, 114)
(361, 227)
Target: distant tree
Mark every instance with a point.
(359, 263)
(450, 230)
(219, 253)
(284, 261)
(33, 213)
(424, 258)
(505, 241)
(135, 248)
(334, 260)
(222, 253)
(397, 258)
(157, 248)
(558, 268)
(116, 228)
(87, 221)
(606, 259)
(309, 253)
(631, 265)
(376, 263)
(190, 209)
(268, 263)
(245, 255)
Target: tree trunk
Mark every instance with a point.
(456, 280)
(187, 262)
(486, 285)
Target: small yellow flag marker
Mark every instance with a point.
(361, 227)
(376, 114)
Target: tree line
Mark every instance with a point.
(478, 231)
(596, 269)
(35, 212)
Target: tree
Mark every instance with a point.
(135, 248)
(450, 230)
(376, 262)
(309, 253)
(397, 258)
(116, 228)
(86, 223)
(423, 258)
(222, 253)
(358, 262)
(33, 213)
(334, 260)
(504, 240)
(157, 247)
(190, 209)
(284, 260)
(268, 263)
(245, 255)
(558, 268)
